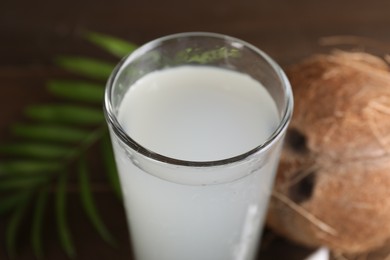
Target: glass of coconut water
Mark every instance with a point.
(197, 122)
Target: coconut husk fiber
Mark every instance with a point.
(333, 184)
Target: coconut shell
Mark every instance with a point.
(333, 184)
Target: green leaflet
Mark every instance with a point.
(13, 227)
(49, 132)
(37, 223)
(21, 166)
(89, 206)
(110, 166)
(93, 68)
(22, 183)
(36, 150)
(71, 114)
(62, 225)
(115, 46)
(77, 90)
(11, 201)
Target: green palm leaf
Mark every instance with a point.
(115, 46)
(36, 150)
(57, 137)
(71, 114)
(37, 224)
(89, 204)
(77, 90)
(13, 227)
(49, 132)
(22, 183)
(27, 166)
(11, 201)
(86, 66)
(62, 225)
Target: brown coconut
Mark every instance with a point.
(333, 183)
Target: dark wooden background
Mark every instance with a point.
(32, 33)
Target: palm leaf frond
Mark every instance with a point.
(37, 223)
(56, 139)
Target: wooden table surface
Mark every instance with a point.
(32, 33)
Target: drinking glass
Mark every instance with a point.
(181, 207)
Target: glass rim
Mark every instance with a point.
(112, 120)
